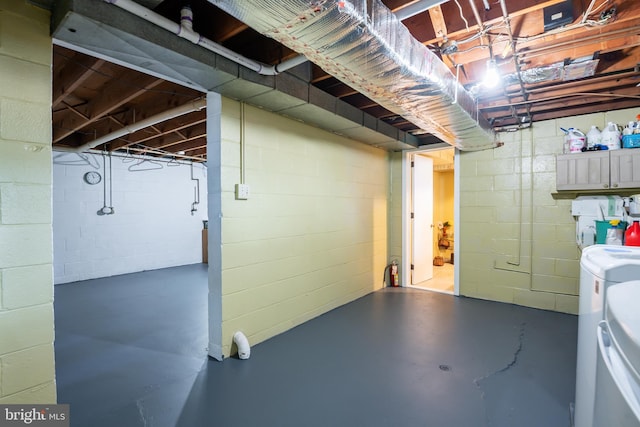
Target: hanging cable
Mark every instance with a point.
(466, 23)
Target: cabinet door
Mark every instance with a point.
(625, 168)
(582, 171)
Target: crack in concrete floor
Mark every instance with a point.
(478, 381)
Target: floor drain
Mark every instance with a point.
(445, 368)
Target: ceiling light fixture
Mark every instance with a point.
(491, 76)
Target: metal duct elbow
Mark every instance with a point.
(363, 44)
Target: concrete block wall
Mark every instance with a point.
(395, 210)
(27, 373)
(516, 243)
(152, 226)
(313, 234)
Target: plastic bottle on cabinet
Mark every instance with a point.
(594, 137)
(632, 235)
(574, 140)
(614, 234)
(611, 136)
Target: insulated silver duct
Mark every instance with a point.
(364, 45)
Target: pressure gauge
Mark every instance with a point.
(92, 177)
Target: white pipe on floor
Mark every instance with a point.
(184, 30)
(244, 351)
(149, 121)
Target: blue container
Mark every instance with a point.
(631, 141)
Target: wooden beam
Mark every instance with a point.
(527, 8)
(72, 75)
(438, 22)
(116, 94)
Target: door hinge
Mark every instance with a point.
(412, 163)
(411, 215)
(411, 266)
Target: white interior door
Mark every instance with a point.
(422, 223)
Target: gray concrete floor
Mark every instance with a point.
(131, 351)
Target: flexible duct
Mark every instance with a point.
(241, 341)
(370, 50)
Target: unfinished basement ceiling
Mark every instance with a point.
(588, 64)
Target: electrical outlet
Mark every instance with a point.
(242, 191)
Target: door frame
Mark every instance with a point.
(405, 280)
(421, 225)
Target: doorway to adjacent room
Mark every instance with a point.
(430, 201)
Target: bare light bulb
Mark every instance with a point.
(491, 76)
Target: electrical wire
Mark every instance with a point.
(462, 16)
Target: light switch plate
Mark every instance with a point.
(242, 191)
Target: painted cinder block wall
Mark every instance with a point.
(313, 234)
(516, 242)
(395, 210)
(152, 227)
(27, 373)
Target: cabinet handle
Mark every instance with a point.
(606, 185)
(615, 185)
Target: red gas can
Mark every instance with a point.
(632, 235)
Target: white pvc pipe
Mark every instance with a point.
(185, 30)
(149, 121)
(244, 351)
(412, 9)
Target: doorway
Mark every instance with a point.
(430, 201)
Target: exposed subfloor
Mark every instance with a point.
(131, 351)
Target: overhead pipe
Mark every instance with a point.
(185, 30)
(507, 20)
(144, 152)
(412, 9)
(476, 14)
(189, 107)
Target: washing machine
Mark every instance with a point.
(601, 266)
(617, 397)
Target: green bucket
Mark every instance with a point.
(601, 230)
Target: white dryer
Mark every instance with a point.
(601, 266)
(617, 398)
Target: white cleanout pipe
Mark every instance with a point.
(244, 351)
(149, 121)
(185, 30)
(412, 9)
